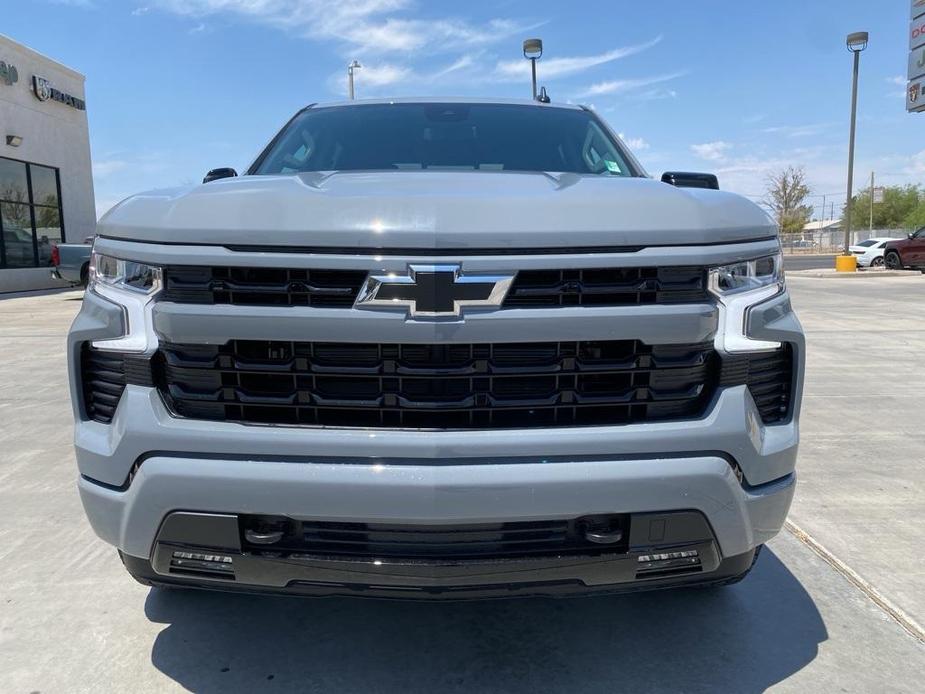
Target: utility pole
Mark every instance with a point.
(823, 209)
(871, 201)
(856, 43)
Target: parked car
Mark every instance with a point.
(72, 261)
(906, 253)
(437, 349)
(869, 253)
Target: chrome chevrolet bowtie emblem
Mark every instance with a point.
(433, 291)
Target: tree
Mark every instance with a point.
(916, 218)
(897, 211)
(787, 193)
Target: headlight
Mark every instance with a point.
(124, 274)
(748, 275)
(132, 286)
(738, 287)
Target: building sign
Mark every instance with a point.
(915, 90)
(916, 63)
(878, 194)
(44, 91)
(9, 75)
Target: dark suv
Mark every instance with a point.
(906, 253)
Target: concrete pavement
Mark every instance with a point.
(72, 620)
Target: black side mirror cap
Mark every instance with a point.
(215, 174)
(689, 179)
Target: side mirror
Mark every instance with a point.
(688, 179)
(215, 174)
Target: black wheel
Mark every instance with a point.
(85, 276)
(893, 261)
(877, 262)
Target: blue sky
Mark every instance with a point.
(175, 87)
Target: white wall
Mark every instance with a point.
(53, 134)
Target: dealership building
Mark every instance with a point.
(46, 182)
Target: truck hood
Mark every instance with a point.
(428, 209)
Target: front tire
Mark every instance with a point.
(893, 261)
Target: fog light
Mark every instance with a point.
(668, 556)
(201, 560)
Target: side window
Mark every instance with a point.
(920, 234)
(598, 152)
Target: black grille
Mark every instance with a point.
(452, 386)
(607, 287)
(453, 542)
(262, 286)
(104, 375)
(769, 377)
(339, 288)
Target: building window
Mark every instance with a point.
(30, 213)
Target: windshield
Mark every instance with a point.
(415, 136)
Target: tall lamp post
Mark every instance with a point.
(533, 51)
(856, 43)
(355, 65)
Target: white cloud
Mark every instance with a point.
(138, 11)
(106, 167)
(361, 25)
(551, 68)
(620, 86)
(807, 130)
(897, 79)
(654, 95)
(712, 151)
(381, 75)
(634, 143)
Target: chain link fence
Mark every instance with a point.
(810, 242)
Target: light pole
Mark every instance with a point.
(533, 51)
(856, 43)
(350, 68)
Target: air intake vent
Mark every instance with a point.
(104, 376)
(769, 377)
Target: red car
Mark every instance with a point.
(906, 253)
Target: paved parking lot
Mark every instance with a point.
(71, 620)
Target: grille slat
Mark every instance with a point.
(438, 386)
(339, 288)
(262, 286)
(607, 287)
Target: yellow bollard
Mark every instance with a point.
(846, 263)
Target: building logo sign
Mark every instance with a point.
(914, 92)
(9, 75)
(44, 91)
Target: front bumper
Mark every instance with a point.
(736, 518)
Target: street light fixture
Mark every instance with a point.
(355, 65)
(856, 43)
(533, 51)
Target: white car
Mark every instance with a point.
(870, 252)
